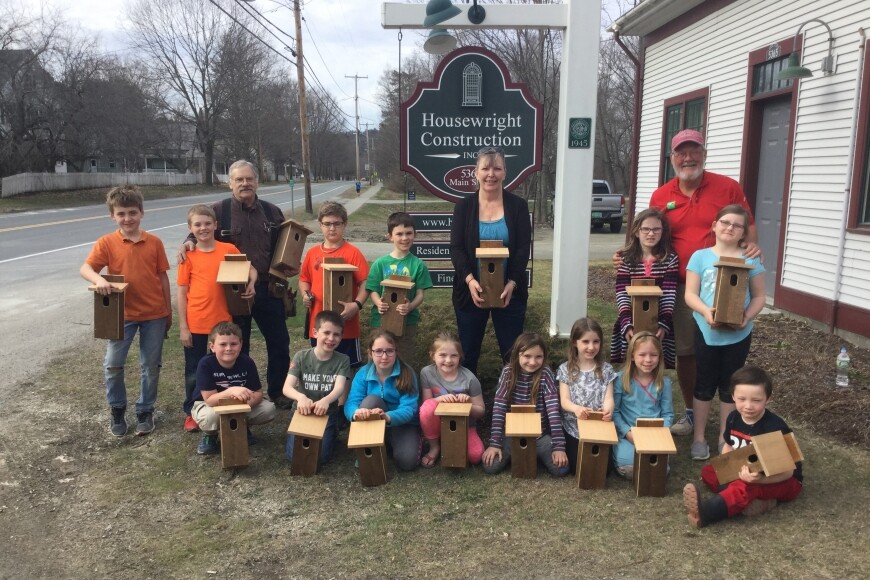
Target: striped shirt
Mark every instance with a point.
(666, 273)
(547, 405)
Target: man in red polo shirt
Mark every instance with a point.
(691, 201)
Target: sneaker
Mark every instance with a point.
(692, 503)
(144, 423)
(700, 451)
(251, 439)
(190, 424)
(208, 445)
(685, 426)
(759, 506)
(118, 425)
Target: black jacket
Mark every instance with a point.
(465, 239)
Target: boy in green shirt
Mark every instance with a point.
(317, 379)
(400, 231)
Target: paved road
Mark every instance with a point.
(45, 306)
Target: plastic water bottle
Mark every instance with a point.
(843, 368)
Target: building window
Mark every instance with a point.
(764, 77)
(111, 163)
(859, 204)
(687, 111)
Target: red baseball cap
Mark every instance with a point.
(687, 136)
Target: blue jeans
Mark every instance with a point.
(471, 323)
(268, 313)
(151, 333)
(326, 445)
(192, 356)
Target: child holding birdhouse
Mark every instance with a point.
(752, 493)
(719, 349)
(648, 255)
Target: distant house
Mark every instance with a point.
(800, 149)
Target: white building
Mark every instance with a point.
(800, 149)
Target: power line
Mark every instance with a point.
(248, 30)
(311, 36)
(248, 7)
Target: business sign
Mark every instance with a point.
(443, 277)
(579, 132)
(470, 104)
(432, 222)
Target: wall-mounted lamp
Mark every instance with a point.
(794, 70)
(437, 11)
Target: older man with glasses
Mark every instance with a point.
(690, 202)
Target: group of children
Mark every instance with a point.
(387, 387)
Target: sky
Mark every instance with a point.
(342, 38)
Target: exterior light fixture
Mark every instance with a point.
(476, 14)
(794, 70)
(440, 41)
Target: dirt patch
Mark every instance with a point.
(801, 361)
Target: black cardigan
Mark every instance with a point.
(465, 239)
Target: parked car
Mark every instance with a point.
(607, 207)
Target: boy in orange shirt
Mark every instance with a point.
(141, 259)
(202, 302)
(333, 220)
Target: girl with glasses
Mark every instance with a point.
(719, 349)
(648, 254)
(386, 388)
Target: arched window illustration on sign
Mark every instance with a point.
(471, 76)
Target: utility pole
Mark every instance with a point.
(368, 152)
(356, 112)
(303, 113)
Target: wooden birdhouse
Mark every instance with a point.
(396, 290)
(732, 282)
(287, 258)
(523, 426)
(367, 437)
(233, 433)
(454, 433)
(308, 435)
(593, 453)
(233, 276)
(337, 283)
(491, 257)
(773, 453)
(645, 297)
(653, 443)
(109, 309)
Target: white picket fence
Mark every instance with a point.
(29, 182)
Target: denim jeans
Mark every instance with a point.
(192, 356)
(326, 445)
(471, 323)
(151, 333)
(268, 313)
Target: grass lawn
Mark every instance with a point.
(77, 502)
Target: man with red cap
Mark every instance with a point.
(691, 201)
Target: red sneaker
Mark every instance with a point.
(190, 425)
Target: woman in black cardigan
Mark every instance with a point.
(490, 214)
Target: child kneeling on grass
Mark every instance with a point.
(752, 493)
(227, 373)
(318, 378)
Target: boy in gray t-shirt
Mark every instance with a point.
(317, 379)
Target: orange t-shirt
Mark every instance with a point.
(313, 274)
(206, 300)
(142, 264)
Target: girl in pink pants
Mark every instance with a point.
(447, 381)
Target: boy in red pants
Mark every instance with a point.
(752, 493)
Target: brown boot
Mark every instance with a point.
(759, 506)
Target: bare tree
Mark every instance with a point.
(191, 46)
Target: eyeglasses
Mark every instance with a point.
(329, 225)
(491, 151)
(383, 351)
(647, 231)
(726, 224)
(686, 153)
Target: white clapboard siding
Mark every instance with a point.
(712, 53)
